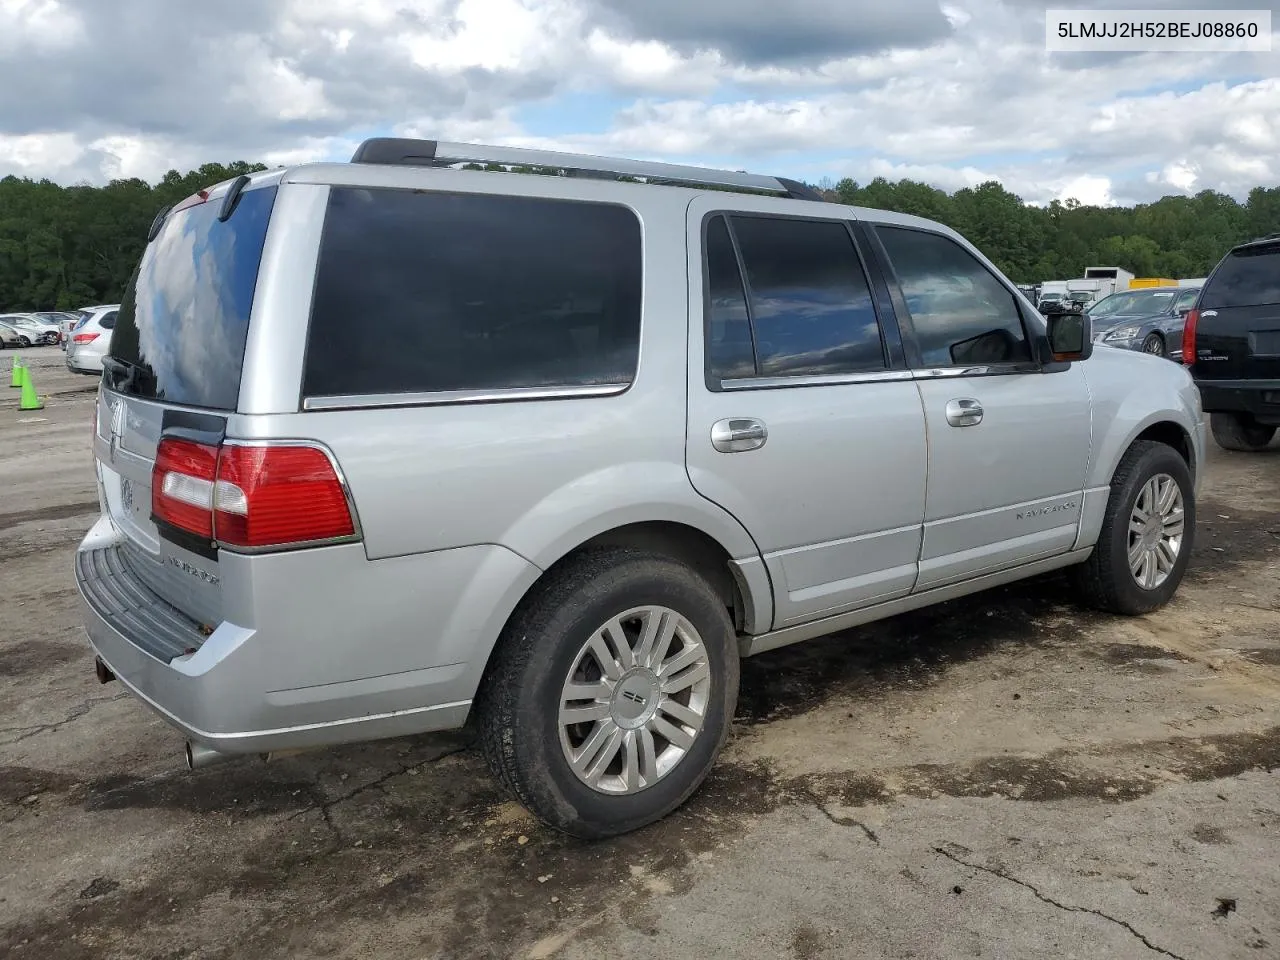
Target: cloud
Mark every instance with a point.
(765, 31)
(952, 92)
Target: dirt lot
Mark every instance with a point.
(1004, 776)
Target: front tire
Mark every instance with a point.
(24, 342)
(611, 693)
(1147, 533)
(1154, 345)
(1234, 432)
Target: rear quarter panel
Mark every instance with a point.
(536, 477)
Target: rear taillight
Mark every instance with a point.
(250, 495)
(84, 338)
(278, 495)
(1189, 337)
(182, 485)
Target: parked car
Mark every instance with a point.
(73, 319)
(90, 340)
(50, 327)
(9, 337)
(58, 320)
(1232, 344)
(630, 433)
(30, 331)
(1149, 319)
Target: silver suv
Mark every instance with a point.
(630, 422)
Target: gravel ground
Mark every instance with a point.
(1003, 776)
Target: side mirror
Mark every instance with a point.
(1070, 336)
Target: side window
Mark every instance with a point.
(961, 313)
(730, 352)
(108, 321)
(1185, 300)
(809, 301)
(427, 292)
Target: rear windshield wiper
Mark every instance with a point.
(123, 375)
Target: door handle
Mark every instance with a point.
(738, 435)
(964, 412)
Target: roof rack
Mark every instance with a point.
(438, 153)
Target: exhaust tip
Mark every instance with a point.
(199, 756)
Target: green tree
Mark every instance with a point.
(65, 247)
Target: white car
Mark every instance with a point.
(90, 340)
(31, 332)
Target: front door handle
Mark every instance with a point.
(964, 412)
(738, 435)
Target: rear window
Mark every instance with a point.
(1245, 278)
(425, 292)
(184, 319)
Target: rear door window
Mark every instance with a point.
(962, 314)
(1186, 300)
(184, 319)
(805, 308)
(1246, 278)
(429, 292)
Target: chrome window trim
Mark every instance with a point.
(824, 380)
(444, 398)
(987, 370)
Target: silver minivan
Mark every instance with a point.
(631, 422)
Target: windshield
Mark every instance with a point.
(184, 318)
(1142, 303)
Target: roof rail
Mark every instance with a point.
(438, 153)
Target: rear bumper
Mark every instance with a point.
(78, 361)
(1258, 398)
(330, 660)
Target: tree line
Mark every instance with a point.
(66, 247)
(1176, 237)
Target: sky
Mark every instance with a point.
(950, 92)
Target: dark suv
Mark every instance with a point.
(1231, 342)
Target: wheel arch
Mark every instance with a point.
(1160, 427)
(742, 585)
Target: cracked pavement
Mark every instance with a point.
(1005, 776)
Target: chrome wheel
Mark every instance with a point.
(1155, 531)
(635, 700)
(1154, 345)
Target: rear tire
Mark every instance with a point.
(1233, 431)
(547, 654)
(1108, 580)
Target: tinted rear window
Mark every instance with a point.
(184, 318)
(1245, 278)
(422, 292)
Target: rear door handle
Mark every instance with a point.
(738, 435)
(964, 412)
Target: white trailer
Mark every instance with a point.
(1111, 280)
